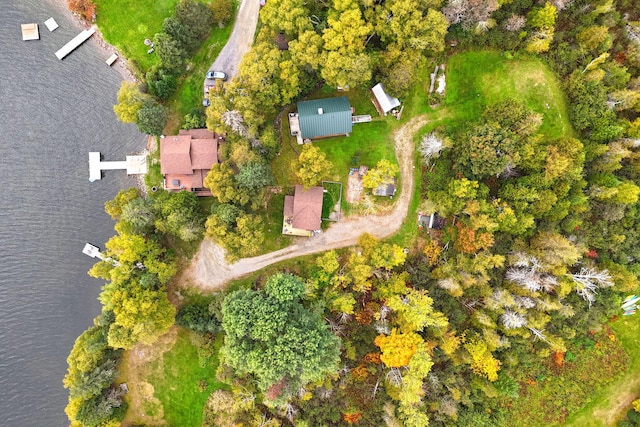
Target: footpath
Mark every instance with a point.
(209, 270)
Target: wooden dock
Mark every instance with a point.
(30, 32)
(134, 165)
(75, 42)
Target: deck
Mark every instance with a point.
(294, 127)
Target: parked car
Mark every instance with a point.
(206, 102)
(216, 75)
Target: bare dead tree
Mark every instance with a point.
(382, 327)
(512, 320)
(524, 302)
(537, 334)
(515, 23)
(527, 273)
(234, 120)
(289, 411)
(561, 4)
(430, 146)
(589, 280)
(394, 376)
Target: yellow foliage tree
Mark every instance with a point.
(483, 363)
(397, 348)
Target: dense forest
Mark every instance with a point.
(497, 317)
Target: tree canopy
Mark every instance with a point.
(271, 335)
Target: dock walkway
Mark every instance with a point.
(134, 165)
(94, 252)
(75, 42)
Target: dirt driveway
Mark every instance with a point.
(240, 40)
(210, 271)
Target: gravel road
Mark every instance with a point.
(209, 270)
(241, 39)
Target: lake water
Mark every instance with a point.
(52, 113)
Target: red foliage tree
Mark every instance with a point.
(86, 9)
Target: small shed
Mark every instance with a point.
(388, 190)
(383, 102)
(430, 221)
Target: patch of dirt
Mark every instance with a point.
(141, 362)
(354, 188)
(210, 272)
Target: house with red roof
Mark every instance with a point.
(186, 159)
(303, 211)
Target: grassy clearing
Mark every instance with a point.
(478, 79)
(332, 196)
(126, 23)
(178, 381)
(612, 402)
(272, 224)
(548, 394)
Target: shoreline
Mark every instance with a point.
(121, 66)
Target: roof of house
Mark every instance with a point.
(325, 117)
(386, 102)
(305, 208)
(186, 158)
(385, 190)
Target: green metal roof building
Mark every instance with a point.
(321, 118)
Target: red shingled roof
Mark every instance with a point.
(185, 159)
(307, 208)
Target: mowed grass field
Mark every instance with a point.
(126, 23)
(478, 79)
(174, 382)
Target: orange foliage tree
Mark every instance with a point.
(471, 241)
(351, 417)
(85, 8)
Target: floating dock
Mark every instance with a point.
(51, 24)
(134, 165)
(30, 32)
(110, 60)
(94, 252)
(75, 42)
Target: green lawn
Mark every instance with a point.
(272, 225)
(478, 79)
(126, 23)
(331, 196)
(183, 380)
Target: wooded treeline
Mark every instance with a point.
(539, 247)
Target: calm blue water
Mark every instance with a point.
(52, 113)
